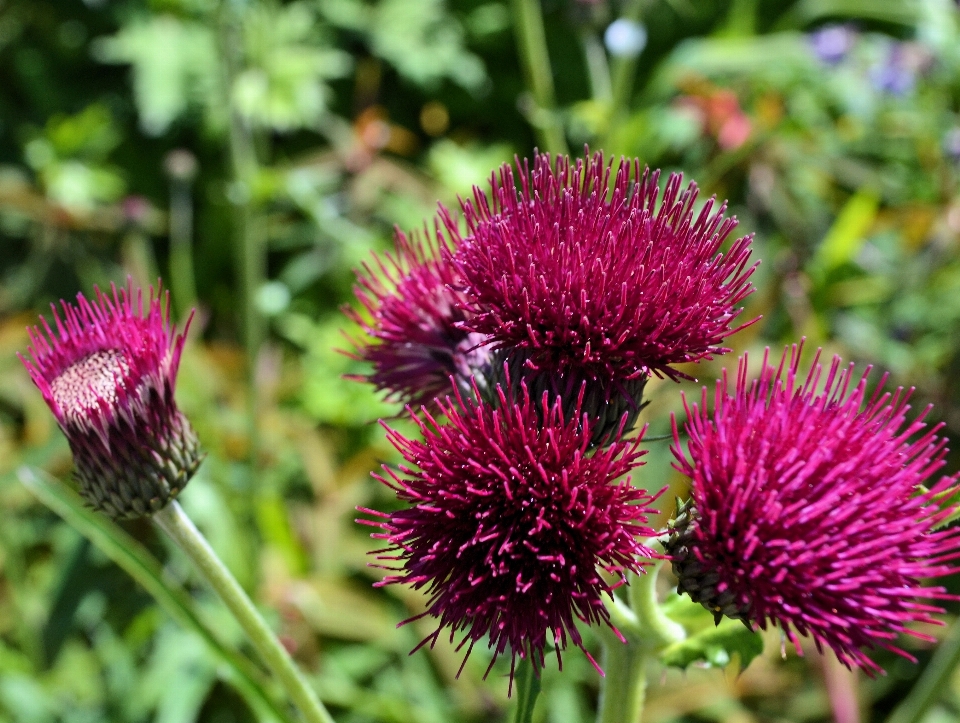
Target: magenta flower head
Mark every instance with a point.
(108, 374)
(510, 517)
(415, 309)
(588, 276)
(807, 509)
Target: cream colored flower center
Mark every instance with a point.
(81, 386)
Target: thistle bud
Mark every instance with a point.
(108, 374)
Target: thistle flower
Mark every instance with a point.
(807, 509)
(415, 309)
(108, 374)
(592, 279)
(510, 519)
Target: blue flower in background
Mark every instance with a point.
(897, 74)
(832, 43)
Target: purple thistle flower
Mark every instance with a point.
(415, 313)
(108, 374)
(807, 509)
(510, 518)
(592, 278)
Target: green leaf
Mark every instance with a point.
(708, 643)
(139, 564)
(728, 642)
(848, 233)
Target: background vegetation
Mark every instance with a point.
(253, 152)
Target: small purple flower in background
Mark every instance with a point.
(588, 278)
(415, 314)
(897, 73)
(108, 374)
(832, 43)
(807, 509)
(511, 515)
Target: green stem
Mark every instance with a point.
(658, 630)
(624, 74)
(598, 69)
(933, 682)
(528, 690)
(251, 256)
(625, 685)
(532, 44)
(647, 631)
(181, 530)
(134, 558)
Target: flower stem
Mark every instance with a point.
(658, 630)
(528, 690)
(251, 253)
(625, 685)
(174, 521)
(647, 631)
(532, 44)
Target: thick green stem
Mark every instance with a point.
(647, 630)
(933, 682)
(532, 44)
(657, 629)
(173, 521)
(625, 685)
(528, 690)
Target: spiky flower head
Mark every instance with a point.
(108, 374)
(414, 311)
(592, 275)
(511, 520)
(807, 509)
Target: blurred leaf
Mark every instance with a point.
(848, 233)
(729, 642)
(175, 68)
(283, 86)
(901, 12)
(423, 41)
(707, 643)
(462, 167)
(137, 561)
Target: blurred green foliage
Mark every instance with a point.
(311, 128)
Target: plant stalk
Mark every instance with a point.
(535, 60)
(134, 558)
(625, 682)
(647, 631)
(528, 690)
(174, 521)
(251, 254)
